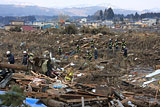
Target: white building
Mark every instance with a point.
(108, 23)
(149, 22)
(41, 24)
(84, 20)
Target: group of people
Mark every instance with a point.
(46, 66)
(111, 46)
(26, 57)
(116, 46)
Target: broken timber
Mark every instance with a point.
(39, 95)
(79, 100)
(13, 66)
(4, 82)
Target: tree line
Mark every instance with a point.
(6, 20)
(103, 15)
(108, 14)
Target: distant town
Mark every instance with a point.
(101, 18)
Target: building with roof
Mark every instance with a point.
(15, 22)
(149, 21)
(9, 27)
(27, 28)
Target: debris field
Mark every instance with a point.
(112, 80)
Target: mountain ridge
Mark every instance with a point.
(25, 10)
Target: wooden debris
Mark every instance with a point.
(73, 96)
(84, 45)
(39, 95)
(53, 103)
(4, 82)
(21, 76)
(42, 76)
(126, 100)
(157, 67)
(13, 66)
(85, 100)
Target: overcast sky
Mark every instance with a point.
(124, 4)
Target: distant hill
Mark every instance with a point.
(17, 10)
(21, 10)
(151, 10)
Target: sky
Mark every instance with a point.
(123, 4)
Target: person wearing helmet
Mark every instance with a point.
(92, 43)
(110, 43)
(123, 44)
(59, 50)
(95, 53)
(25, 58)
(78, 48)
(89, 55)
(46, 54)
(30, 57)
(116, 44)
(69, 74)
(10, 57)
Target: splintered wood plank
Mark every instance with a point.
(85, 99)
(73, 96)
(39, 95)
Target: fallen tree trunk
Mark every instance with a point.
(13, 66)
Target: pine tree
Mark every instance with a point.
(105, 14)
(101, 14)
(110, 14)
(136, 17)
(98, 15)
(14, 98)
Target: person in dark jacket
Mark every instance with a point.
(95, 53)
(25, 58)
(125, 52)
(10, 57)
(59, 50)
(49, 68)
(110, 43)
(78, 48)
(116, 44)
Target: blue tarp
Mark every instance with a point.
(46, 26)
(32, 102)
(57, 26)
